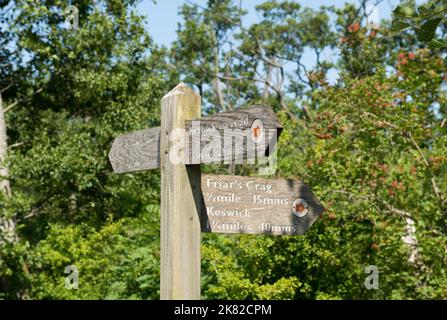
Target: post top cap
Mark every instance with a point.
(181, 88)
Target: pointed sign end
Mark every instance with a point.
(112, 156)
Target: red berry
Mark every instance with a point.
(403, 61)
(354, 27)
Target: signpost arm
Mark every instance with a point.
(180, 201)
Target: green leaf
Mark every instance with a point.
(399, 25)
(426, 9)
(145, 286)
(143, 278)
(405, 11)
(437, 44)
(445, 62)
(428, 29)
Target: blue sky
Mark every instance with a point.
(162, 20)
(162, 17)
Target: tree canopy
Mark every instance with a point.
(371, 143)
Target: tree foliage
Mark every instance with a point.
(372, 145)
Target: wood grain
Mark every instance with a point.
(136, 151)
(252, 205)
(232, 129)
(180, 203)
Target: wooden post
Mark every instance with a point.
(180, 203)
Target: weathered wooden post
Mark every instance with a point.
(180, 200)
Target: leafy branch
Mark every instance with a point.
(424, 20)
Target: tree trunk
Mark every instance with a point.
(265, 94)
(7, 225)
(411, 241)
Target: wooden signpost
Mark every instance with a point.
(192, 203)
